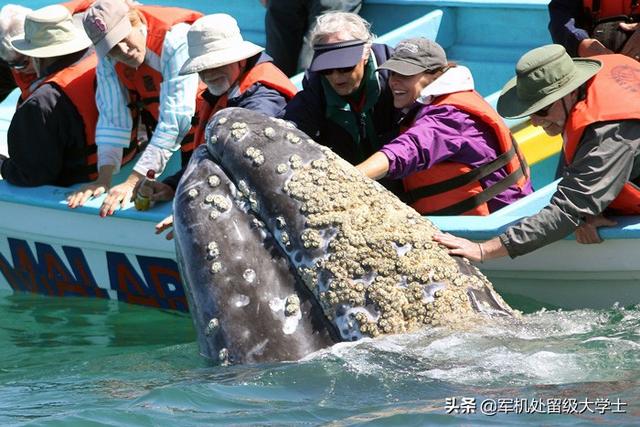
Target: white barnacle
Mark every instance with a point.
(212, 250)
(213, 139)
(292, 305)
(243, 187)
(282, 168)
(295, 159)
(269, 132)
(216, 267)
(212, 327)
(214, 214)
(223, 354)
(193, 193)
(221, 203)
(214, 180)
(241, 300)
(249, 275)
(284, 238)
(250, 152)
(222, 120)
(239, 133)
(258, 160)
(209, 198)
(292, 138)
(238, 125)
(280, 222)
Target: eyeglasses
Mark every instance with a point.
(342, 70)
(18, 65)
(543, 112)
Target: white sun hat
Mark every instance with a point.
(214, 41)
(48, 32)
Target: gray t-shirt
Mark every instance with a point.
(608, 156)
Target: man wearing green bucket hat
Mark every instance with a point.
(594, 103)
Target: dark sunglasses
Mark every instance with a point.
(543, 112)
(342, 70)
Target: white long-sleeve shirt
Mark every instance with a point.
(176, 107)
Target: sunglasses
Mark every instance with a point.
(543, 112)
(342, 70)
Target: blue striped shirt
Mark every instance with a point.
(176, 108)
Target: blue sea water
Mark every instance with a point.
(80, 362)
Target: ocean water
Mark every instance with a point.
(79, 362)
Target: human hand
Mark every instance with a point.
(86, 192)
(591, 47)
(632, 46)
(161, 191)
(165, 224)
(587, 233)
(118, 196)
(459, 246)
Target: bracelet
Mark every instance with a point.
(481, 253)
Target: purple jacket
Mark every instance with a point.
(445, 133)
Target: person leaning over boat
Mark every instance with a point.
(141, 51)
(237, 74)
(591, 27)
(51, 135)
(16, 70)
(456, 156)
(344, 103)
(593, 103)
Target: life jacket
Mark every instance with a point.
(24, 81)
(143, 83)
(77, 82)
(452, 188)
(78, 6)
(264, 73)
(612, 95)
(602, 9)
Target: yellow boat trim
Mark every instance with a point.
(536, 145)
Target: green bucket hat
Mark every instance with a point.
(543, 76)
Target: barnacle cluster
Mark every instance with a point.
(381, 265)
(255, 155)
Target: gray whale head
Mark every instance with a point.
(285, 249)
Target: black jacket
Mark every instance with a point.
(46, 138)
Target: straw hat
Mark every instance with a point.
(543, 76)
(214, 41)
(50, 32)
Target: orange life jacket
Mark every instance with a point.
(612, 95)
(451, 188)
(143, 83)
(77, 82)
(24, 81)
(601, 9)
(78, 6)
(265, 73)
